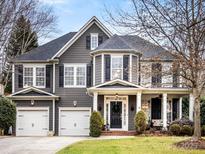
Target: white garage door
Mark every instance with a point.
(74, 122)
(32, 123)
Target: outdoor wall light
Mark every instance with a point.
(116, 96)
(32, 102)
(99, 108)
(132, 108)
(74, 103)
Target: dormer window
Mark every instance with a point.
(94, 41)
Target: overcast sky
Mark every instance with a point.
(73, 14)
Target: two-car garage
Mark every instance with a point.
(34, 121)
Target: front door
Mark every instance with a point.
(156, 108)
(115, 114)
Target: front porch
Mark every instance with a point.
(118, 103)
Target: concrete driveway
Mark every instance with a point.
(35, 145)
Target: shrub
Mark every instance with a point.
(203, 130)
(140, 122)
(7, 113)
(175, 129)
(186, 130)
(95, 124)
(182, 122)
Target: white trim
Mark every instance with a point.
(119, 50)
(130, 68)
(102, 68)
(54, 116)
(95, 101)
(124, 102)
(34, 66)
(94, 70)
(30, 89)
(70, 109)
(80, 33)
(13, 78)
(75, 66)
(180, 107)
(32, 109)
(91, 36)
(54, 78)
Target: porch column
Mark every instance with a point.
(180, 107)
(191, 106)
(164, 111)
(54, 116)
(95, 101)
(138, 102)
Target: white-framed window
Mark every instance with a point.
(74, 75)
(34, 75)
(116, 67)
(93, 41)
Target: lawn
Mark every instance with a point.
(138, 145)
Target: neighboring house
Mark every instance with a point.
(57, 85)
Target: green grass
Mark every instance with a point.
(137, 145)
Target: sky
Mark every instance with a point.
(73, 14)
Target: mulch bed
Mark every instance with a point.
(191, 144)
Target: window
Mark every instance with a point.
(156, 74)
(34, 76)
(40, 76)
(116, 67)
(28, 76)
(75, 75)
(94, 41)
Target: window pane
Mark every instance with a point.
(94, 41)
(69, 76)
(80, 76)
(117, 67)
(40, 76)
(28, 76)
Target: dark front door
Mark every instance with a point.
(115, 114)
(175, 108)
(156, 108)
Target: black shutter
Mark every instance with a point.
(61, 76)
(88, 42)
(20, 76)
(48, 76)
(89, 75)
(125, 67)
(107, 67)
(100, 40)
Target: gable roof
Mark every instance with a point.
(32, 92)
(57, 47)
(46, 51)
(133, 43)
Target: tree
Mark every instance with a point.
(7, 113)
(22, 40)
(179, 27)
(41, 18)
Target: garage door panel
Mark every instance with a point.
(74, 122)
(32, 123)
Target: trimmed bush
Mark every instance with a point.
(182, 122)
(186, 130)
(175, 129)
(140, 122)
(7, 113)
(95, 124)
(203, 130)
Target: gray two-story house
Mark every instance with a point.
(57, 85)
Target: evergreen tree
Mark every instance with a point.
(22, 40)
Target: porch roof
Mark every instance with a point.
(124, 87)
(32, 93)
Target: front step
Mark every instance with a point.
(118, 133)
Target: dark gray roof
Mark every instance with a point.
(48, 50)
(134, 42)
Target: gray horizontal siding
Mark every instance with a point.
(39, 103)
